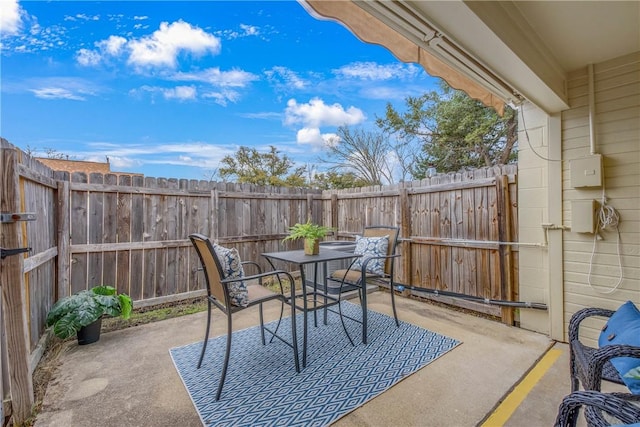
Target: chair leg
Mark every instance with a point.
(279, 321)
(226, 357)
(262, 325)
(294, 337)
(363, 302)
(206, 334)
(393, 304)
(341, 316)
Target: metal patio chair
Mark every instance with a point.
(357, 277)
(223, 293)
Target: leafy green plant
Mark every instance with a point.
(71, 313)
(307, 230)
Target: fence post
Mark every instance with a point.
(13, 292)
(64, 234)
(310, 207)
(214, 213)
(405, 233)
(334, 212)
(504, 235)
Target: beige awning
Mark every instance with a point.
(371, 30)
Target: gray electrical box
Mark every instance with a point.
(586, 172)
(583, 216)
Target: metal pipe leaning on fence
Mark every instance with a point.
(518, 304)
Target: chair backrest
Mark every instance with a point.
(212, 269)
(385, 230)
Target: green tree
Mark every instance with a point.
(332, 180)
(456, 131)
(252, 167)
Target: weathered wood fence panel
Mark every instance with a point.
(458, 231)
(136, 237)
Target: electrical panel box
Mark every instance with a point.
(583, 216)
(587, 171)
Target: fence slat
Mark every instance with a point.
(14, 303)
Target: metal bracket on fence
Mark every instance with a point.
(6, 218)
(8, 252)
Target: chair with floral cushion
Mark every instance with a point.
(227, 289)
(377, 250)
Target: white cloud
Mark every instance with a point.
(283, 76)
(113, 45)
(316, 114)
(215, 77)
(84, 17)
(250, 30)
(117, 163)
(88, 57)
(376, 72)
(164, 45)
(56, 93)
(62, 88)
(245, 31)
(10, 17)
(180, 92)
(185, 153)
(313, 137)
(222, 97)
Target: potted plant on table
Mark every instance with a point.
(311, 233)
(81, 313)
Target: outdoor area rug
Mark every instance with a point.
(263, 389)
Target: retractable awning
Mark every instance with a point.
(418, 42)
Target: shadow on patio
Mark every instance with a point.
(128, 378)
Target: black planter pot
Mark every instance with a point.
(90, 333)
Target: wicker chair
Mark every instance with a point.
(612, 404)
(590, 366)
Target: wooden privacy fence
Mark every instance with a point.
(132, 232)
(457, 234)
(458, 231)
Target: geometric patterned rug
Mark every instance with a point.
(263, 389)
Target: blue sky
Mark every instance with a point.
(168, 88)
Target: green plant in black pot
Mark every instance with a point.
(81, 313)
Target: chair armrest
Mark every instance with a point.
(253, 263)
(612, 404)
(258, 276)
(262, 275)
(580, 315)
(366, 261)
(601, 356)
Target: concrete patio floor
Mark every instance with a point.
(128, 379)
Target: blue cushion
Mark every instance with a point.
(370, 247)
(232, 269)
(623, 327)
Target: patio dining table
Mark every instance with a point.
(309, 301)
